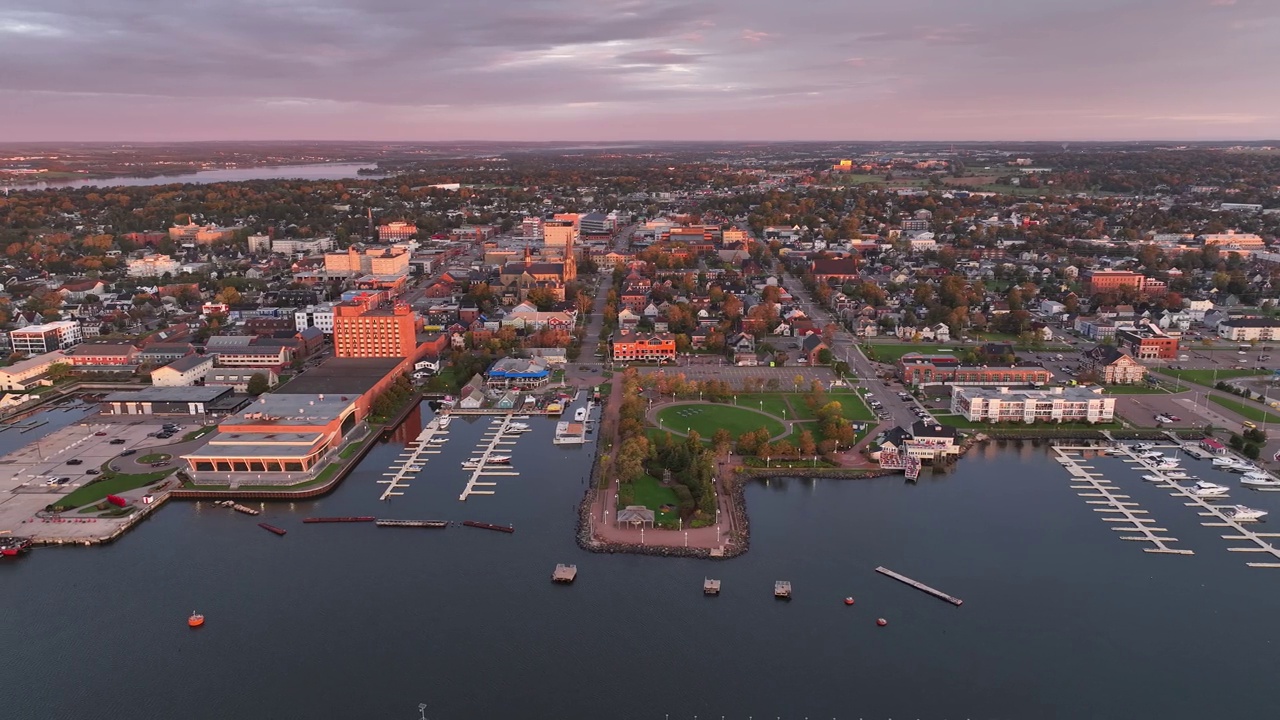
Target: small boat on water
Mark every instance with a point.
(1179, 475)
(1223, 462)
(1260, 481)
(519, 417)
(1143, 447)
(443, 421)
(499, 459)
(1166, 466)
(195, 620)
(413, 468)
(272, 529)
(1242, 513)
(11, 545)
(580, 415)
(1151, 455)
(1155, 477)
(1205, 489)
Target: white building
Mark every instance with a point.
(1249, 329)
(183, 372)
(316, 316)
(153, 266)
(1048, 405)
(26, 374)
(293, 246)
(47, 337)
(259, 243)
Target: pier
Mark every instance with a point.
(1215, 518)
(383, 522)
(920, 586)
(1102, 493)
(564, 573)
(427, 443)
(710, 586)
(498, 435)
(782, 589)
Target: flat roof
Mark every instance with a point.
(341, 376)
(288, 410)
(195, 393)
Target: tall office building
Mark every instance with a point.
(362, 331)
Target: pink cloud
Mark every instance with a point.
(754, 36)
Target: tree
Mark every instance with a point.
(258, 384)
(229, 295)
(58, 371)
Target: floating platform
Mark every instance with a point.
(383, 522)
(920, 586)
(564, 573)
(488, 526)
(353, 519)
(710, 587)
(271, 528)
(782, 589)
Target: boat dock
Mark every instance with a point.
(1101, 492)
(710, 586)
(410, 462)
(782, 589)
(271, 528)
(488, 526)
(920, 586)
(383, 522)
(564, 573)
(1215, 518)
(354, 519)
(499, 434)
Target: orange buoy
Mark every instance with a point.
(882, 622)
(196, 620)
(848, 601)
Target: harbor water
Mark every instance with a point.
(315, 171)
(1061, 618)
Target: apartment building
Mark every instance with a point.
(1050, 405)
(642, 347)
(152, 266)
(393, 231)
(47, 337)
(1249, 329)
(316, 316)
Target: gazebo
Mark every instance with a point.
(637, 516)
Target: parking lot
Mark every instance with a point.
(36, 474)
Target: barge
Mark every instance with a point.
(383, 522)
(488, 526)
(353, 519)
(272, 528)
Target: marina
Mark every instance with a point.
(410, 463)
(500, 434)
(1103, 493)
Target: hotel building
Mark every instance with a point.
(1057, 404)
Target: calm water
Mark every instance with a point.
(1061, 619)
(321, 171)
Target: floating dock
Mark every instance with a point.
(271, 529)
(564, 573)
(710, 587)
(1103, 493)
(488, 526)
(499, 434)
(782, 589)
(411, 460)
(245, 509)
(354, 519)
(920, 586)
(382, 522)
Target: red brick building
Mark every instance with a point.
(361, 331)
(917, 369)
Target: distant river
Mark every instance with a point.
(322, 171)
(1061, 619)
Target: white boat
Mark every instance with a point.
(1179, 475)
(1208, 489)
(1242, 513)
(518, 426)
(1258, 479)
(1175, 458)
(499, 459)
(1222, 462)
(414, 468)
(471, 464)
(1154, 478)
(1167, 466)
(1151, 455)
(1143, 447)
(519, 417)
(443, 421)
(580, 415)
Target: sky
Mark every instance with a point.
(603, 70)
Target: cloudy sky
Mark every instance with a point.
(639, 69)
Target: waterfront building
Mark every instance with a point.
(917, 369)
(1026, 405)
(172, 401)
(46, 337)
(183, 372)
(238, 378)
(519, 373)
(1249, 329)
(631, 347)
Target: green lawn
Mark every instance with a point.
(1135, 390)
(1248, 409)
(650, 493)
(199, 433)
(852, 406)
(706, 418)
(109, 485)
(1206, 377)
(957, 421)
(891, 352)
(346, 452)
(772, 403)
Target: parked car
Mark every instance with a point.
(75, 461)
(118, 441)
(92, 471)
(100, 433)
(127, 453)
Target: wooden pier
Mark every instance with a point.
(499, 434)
(782, 589)
(564, 573)
(920, 586)
(411, 460)
(384, 522)
(710, 587)
(1101, 492)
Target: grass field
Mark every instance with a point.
(1135, 390)
(707, 418)
(852, 406)
(891, 352)
(772, 403)
(1206, 377)
(110, 485)
(1247, 409)
(650, 493)
(957, 421)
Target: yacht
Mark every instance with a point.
(1242, 513)
(1223, 462)
(1166, 465)
(1154, 477)
(1151, 455)
(1260, 481)
(1143, 447)
(413, 468)
(580, 415)
(518, 427)
(1204, 489)
(1179, 475)
(443, 421)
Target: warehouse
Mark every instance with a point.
(173, 401)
